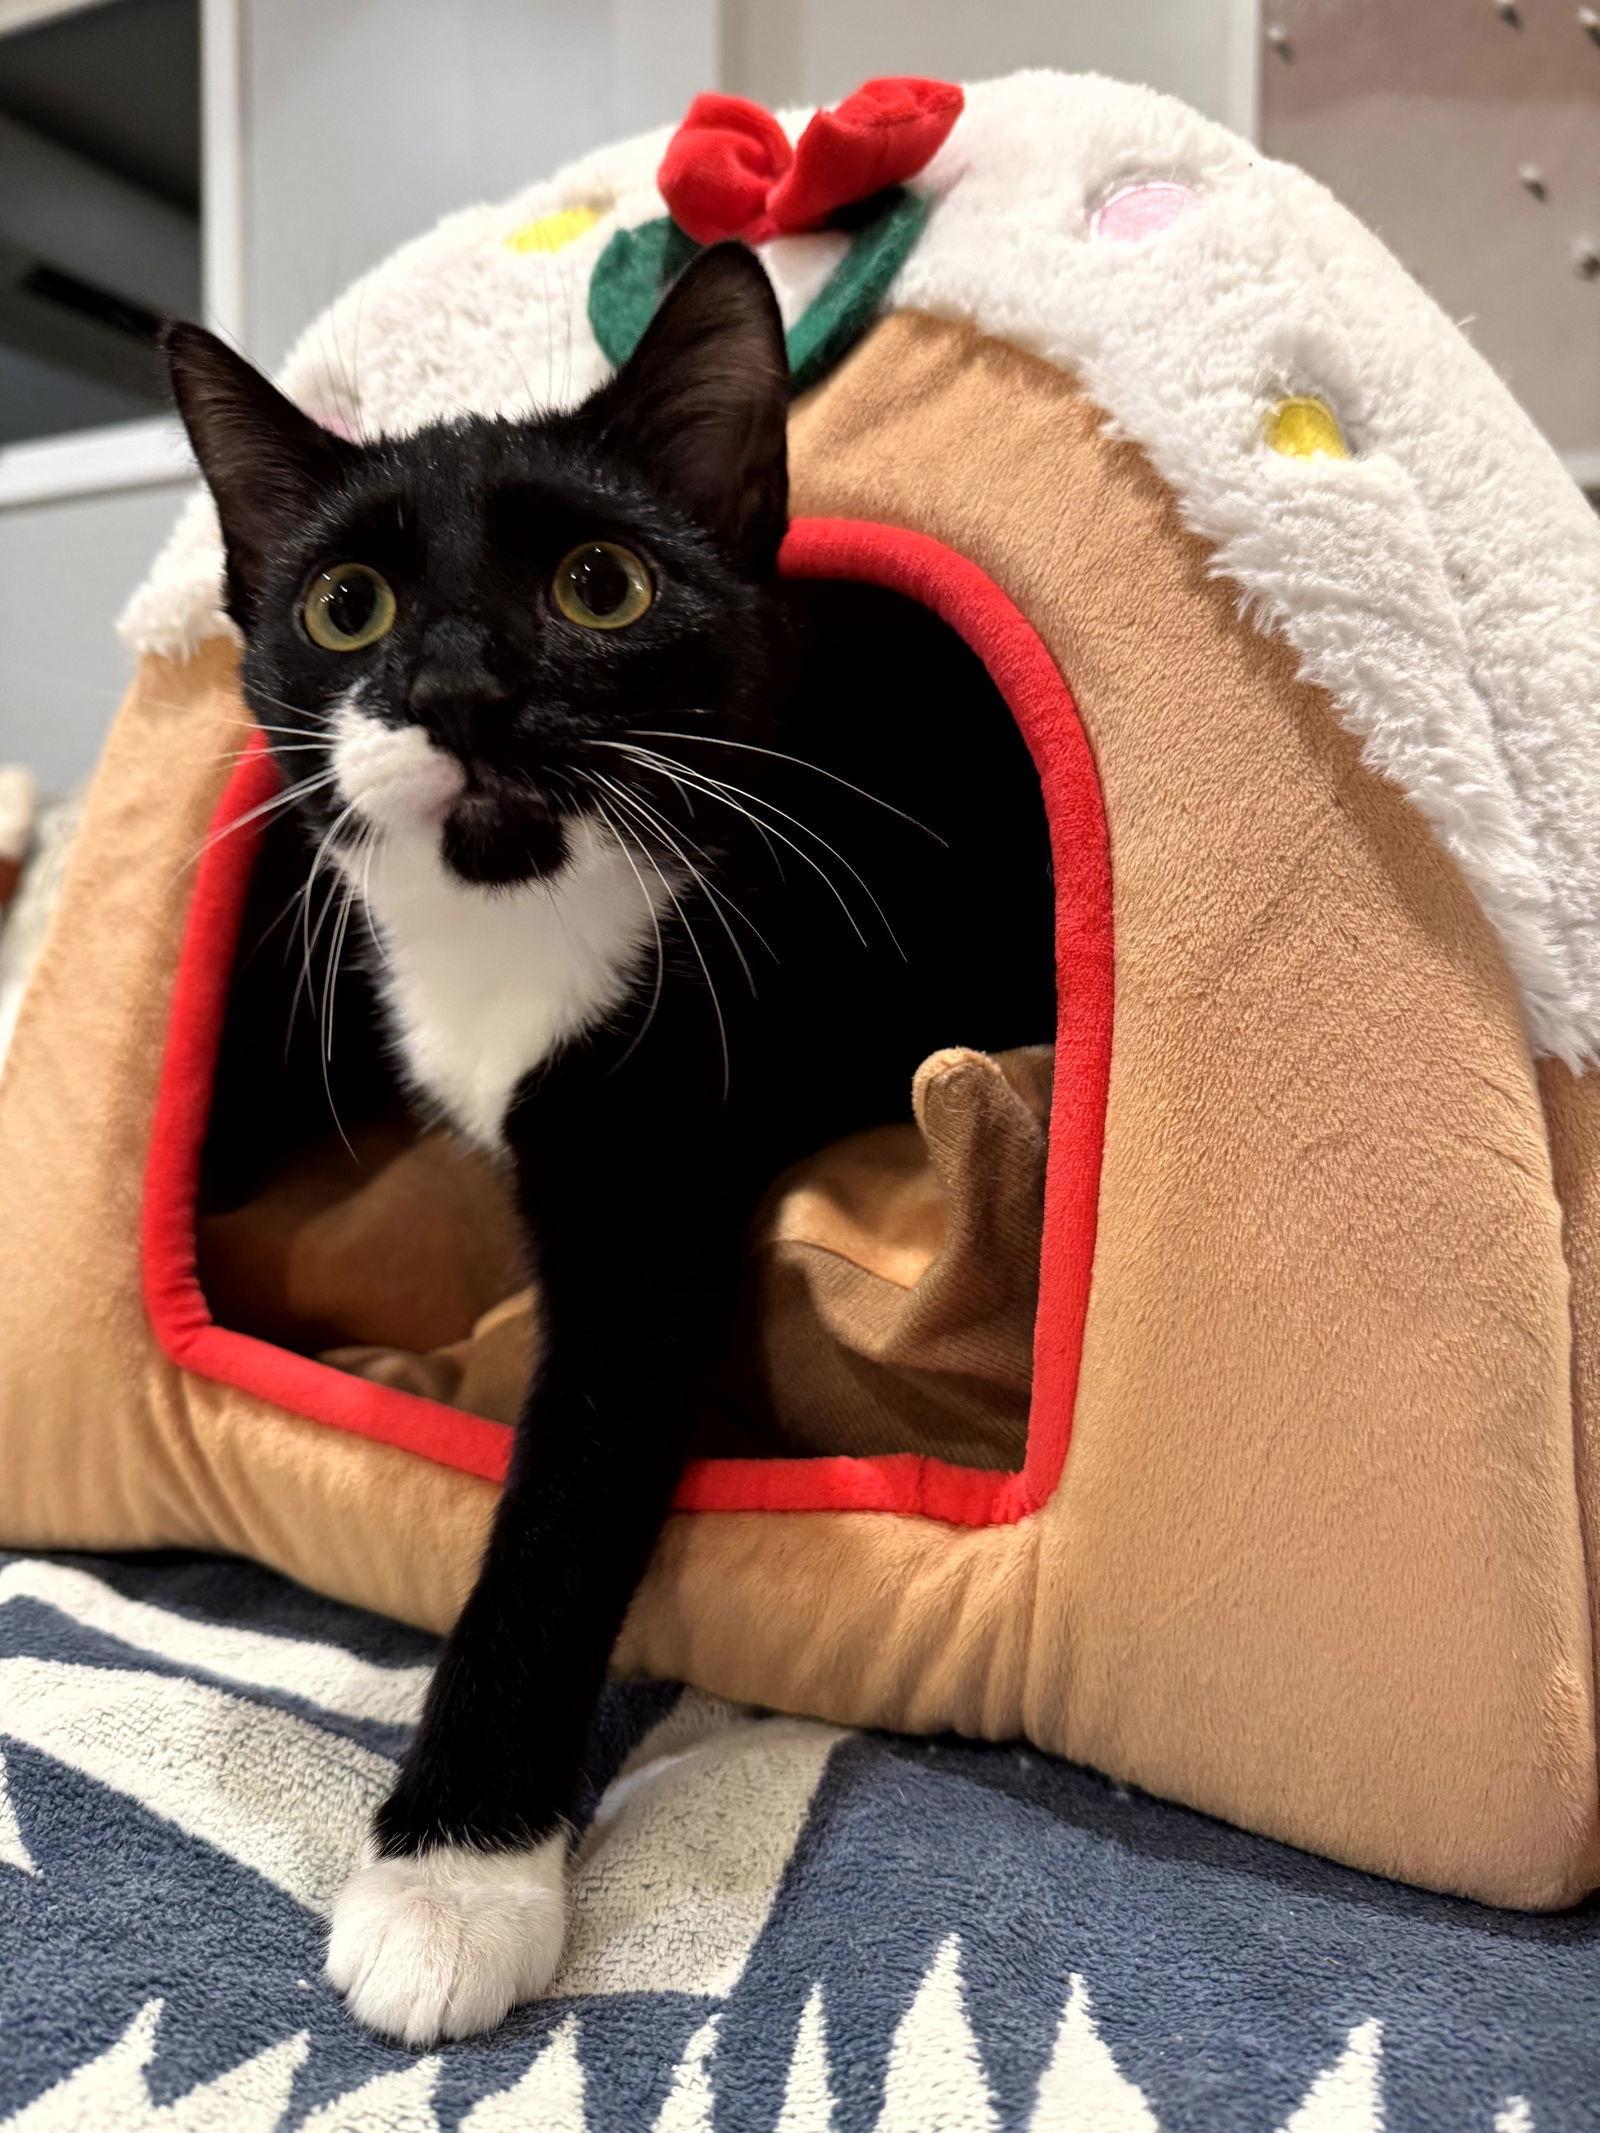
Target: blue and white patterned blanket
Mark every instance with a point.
(779, 1927)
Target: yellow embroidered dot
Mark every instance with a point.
(1304, 428)
(551, 233)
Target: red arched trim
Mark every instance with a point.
(974, 606)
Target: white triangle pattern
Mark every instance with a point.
(318, 1673)
(549, 2096)
(807, 2096)
(652, 1838)
(250, 2098)
(110, 2091)
(290, 1799)
(1348, 2097)
(687, 2105)
(13, 1851)
(936, 2082)
(112, 2085)
(283, 1796)
(392, 2103)
(1083, 2090)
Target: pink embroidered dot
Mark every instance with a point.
(1140, 210)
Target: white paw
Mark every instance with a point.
(445, 1944)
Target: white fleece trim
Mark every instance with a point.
(1443, 586)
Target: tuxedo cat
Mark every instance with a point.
(541, 695)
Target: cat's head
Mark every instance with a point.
(451, 636)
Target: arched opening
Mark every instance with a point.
(208, 1117)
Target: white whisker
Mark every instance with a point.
(279, 800)
(308, 937)
(713, 740)
(621, 842)
(705, 971)
(734, 797)
(652, 818)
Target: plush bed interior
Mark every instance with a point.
(892, 1273)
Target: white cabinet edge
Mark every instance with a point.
(124, 455)
(22, 14)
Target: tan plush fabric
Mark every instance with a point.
(897, 1274)
(486, 1372)
(103, 1444)
(1572, 1112)
(392, 1240)
(890, 1304)
(1316, 1563)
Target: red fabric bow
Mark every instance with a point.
(729, 170)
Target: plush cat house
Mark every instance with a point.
(1301, 621)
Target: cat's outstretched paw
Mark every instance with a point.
(448, 1942)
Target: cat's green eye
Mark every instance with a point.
(347, 608)
(602, 586)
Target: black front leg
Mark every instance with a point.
(635, 1240)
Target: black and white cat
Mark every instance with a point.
(540, 692)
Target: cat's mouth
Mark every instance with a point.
(494, 828)
(498, 839)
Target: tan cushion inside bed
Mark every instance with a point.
(891, 1292)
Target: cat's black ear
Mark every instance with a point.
(264, 460)
(705, 399)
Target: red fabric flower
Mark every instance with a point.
(729, 170)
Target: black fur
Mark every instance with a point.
(639, 1151)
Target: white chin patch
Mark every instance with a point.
(446, 1944)
(394, 776)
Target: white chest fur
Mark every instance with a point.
(483, 985)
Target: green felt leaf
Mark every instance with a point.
(638, 264)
